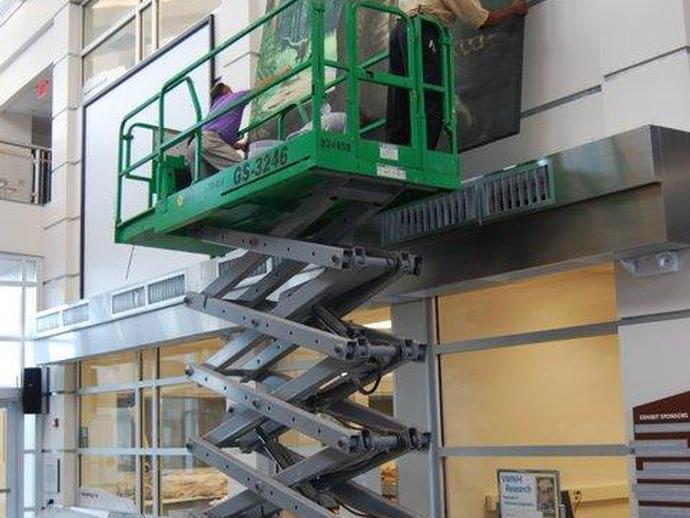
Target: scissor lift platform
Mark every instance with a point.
(260, 193)
(299, 202)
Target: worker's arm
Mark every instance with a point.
(515, 8)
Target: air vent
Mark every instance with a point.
(128, 300)
(225, 267)
(432, 215)
(76, 315)
(167, 289)
(517, 190)
(48, 322)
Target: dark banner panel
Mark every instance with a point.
(488, 80)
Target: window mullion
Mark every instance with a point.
(154, 433)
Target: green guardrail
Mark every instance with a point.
(352, 72)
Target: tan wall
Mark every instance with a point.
(559, 393)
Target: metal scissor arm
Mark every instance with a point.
(309, 314)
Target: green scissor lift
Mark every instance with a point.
(297, 201)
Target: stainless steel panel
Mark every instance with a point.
(618, 197)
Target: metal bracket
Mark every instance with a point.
(652, 264)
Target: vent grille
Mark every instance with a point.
(226, 266)
(432, 215)
(128, 300)
(519, 190)
(516, 191)
(167, 289)
(75, 315)
(48, 322)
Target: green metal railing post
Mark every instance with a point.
(417, 94)
(351, 73)
(318, 68)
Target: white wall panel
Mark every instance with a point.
(542, 134)
(26, 66)
(562, 50)
(23, 228)
(637, 30)
(654, 93)
(21, 29)
(106, 263)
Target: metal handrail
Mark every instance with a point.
(39, 174)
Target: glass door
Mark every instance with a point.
(10, 448)
(4, 486)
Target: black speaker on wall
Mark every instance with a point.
(32, 390)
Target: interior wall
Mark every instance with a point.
(548, 394)
(654, 338)
(108, 265)
(593, 69)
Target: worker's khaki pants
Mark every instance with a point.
(216, 154)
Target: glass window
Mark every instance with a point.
(189, 485)
(3, 450)
(107, 420)
(11, 311)
(29, 478)
(566, 299)
(111, 474)
(30, 312)
(146, 33)
(187, 410)
(102, 15)
(471, 483)
(109, 370)
(10, 367)
(10, 270)
(148, 358)
(29, 432)
(113, 56)
(174, 359)
(30, 270)
(147, 439)
(176, 16)
(567, 392)
(375, 318)
(147, 472)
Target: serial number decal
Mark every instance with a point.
(389, 152)
(335, 145)
(263, 165)
(391, 171)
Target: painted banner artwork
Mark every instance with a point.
(285, 44)
(488, 68)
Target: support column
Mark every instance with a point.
(61, 280)
(59, 470)
(419, 481)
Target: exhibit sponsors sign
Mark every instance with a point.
(662, 454)
(529, 494)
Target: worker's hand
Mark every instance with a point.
(241, 146)
(519, 7)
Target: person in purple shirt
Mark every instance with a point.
(220, 145)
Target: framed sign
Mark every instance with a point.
(529, 494)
